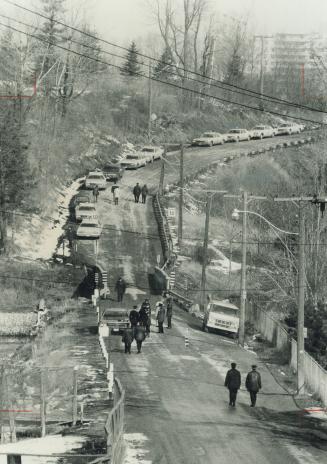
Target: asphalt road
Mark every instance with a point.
(175, 399)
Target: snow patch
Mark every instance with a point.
(38, 237)
(135, 451)
(51, 444)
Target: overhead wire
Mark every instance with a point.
(183, 70)
(156, 79)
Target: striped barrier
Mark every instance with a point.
(187, 338)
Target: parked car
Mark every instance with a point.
(116, 319)
(288, 128)
(222, 315)
(209, 139)
(89, 228)
(95, 178)
(85, 210)
(82, 197)
(237, 135)
(151, 153)
(133, 161)
(113, 172)
(260, 132)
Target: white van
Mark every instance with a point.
(222, 315)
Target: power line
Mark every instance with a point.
(171, 84)
(240, 92)
(188, 71)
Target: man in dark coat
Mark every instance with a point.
(145, 191)
(137, 192)
(120, 288)
(169, 312)
(143, 317)
(233, 383)
(161, 317)
(134, 317)
(139, 334)
(253, 384)
(128, 339)
(147, 309)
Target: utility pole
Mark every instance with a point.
(205, 242)
(262, 37)
(301, 282)
(241, 338)
(245, 199)
(150, 101)
(181, 197)
(162, 172)
(205, 252)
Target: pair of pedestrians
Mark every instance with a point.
(136, 332)
(163, 312)
(252, 384)
(138, 190)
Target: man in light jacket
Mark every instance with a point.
(161, 317)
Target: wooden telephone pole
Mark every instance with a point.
(181, 197)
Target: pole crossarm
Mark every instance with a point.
(250, 197)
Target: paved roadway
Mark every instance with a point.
(175, 398)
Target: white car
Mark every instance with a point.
(151, 153)
(260, 132)
(237, 135)
(209, 139)
(288, 128)
(89, 228)
(95, 178)
(133, 161)
(85, 210)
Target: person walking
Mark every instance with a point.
(95, 193)
(144, 192)
(161, 317)
(139, 334)
(253, 384)
(127, 339)
(169, 312)
(115, 193)
(143, 317)
(120, 289)
(134, 317)
(147, 308)
(233, 383)
(137, 192)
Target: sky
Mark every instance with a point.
(126, 20)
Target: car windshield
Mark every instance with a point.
(96, 177)
(132, 157)
(235, 131)
(87, 208)
(89, 224)
(284, 125)
(208, 135)
(148, 150)
(223, 310)
(112, 168)
(258, 128)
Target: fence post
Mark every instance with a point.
(75, 381)
(187, 338)
(110, 377)
(43, 403)
(12, 426)
(82, 412)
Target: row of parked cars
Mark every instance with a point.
(238, 135)
(86, 213)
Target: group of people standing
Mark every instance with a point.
(252, 384)
(140, 191)
(140, 322)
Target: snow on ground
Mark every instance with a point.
(223, 263)
(51, 444)
(135, 451)
(38, 237)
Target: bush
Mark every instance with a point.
(198, 255)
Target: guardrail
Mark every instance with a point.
(114, 427)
